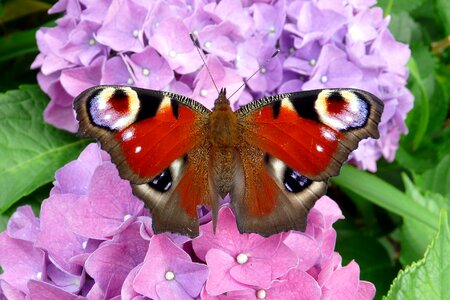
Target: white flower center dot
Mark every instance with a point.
(138, 149)
(84, 244)
(195, 32)
(135, 33)
(263, 70)
(130, 81)
(272, 29)
(261, 294)
(169, 275)
(203, 92)
(39, 275)
(172, 53)
(145, 72)
(126, 217)
(324, 79)
(242, 258)
(312, 62)
(291, 50)
(208, 44)
(319, 148)
(92, 42)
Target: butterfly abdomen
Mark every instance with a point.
(223, 138)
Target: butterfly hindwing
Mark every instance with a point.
(155, 139)
(268, 196)
(291, 145)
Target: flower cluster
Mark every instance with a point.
(146, 44)
(94, 240)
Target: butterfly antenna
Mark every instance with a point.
(197, 46)
(256, 72)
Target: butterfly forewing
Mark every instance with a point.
(155, 138)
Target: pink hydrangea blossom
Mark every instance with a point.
(115, 254)
(146, 44)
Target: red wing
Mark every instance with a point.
(312, 132)
(143, 130)
(268, 196)
(291, 144)
(157, 140)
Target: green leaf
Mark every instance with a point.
(31, 150)
(13, 10)
(414, 237)
(373, 259)
(18, 43)
(3, 222)
(422, 101)
(443, 9)
(429, 278)
(437, 179)
(414, 161)
(383, 194)
(403, 27)
(393, 6)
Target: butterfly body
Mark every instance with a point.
(272, 156)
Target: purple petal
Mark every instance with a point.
(109, 206)
(75, 177)
(122, 29)
(117, 72)
(110, 264)
(151, 70)
(76, 80)
(56, 235)
(172, 41)
(20, 262)
(44, 291)
(10, 292)
(23, 224)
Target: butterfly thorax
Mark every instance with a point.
(223, 137)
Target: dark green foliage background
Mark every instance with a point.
(391, 216)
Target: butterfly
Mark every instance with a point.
(273, 156)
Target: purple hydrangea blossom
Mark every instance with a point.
(115, 254)
(146, 44)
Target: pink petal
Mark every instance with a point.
(171, 290)
(298, 285)
(306, 248)
(343, 283)
(44, 291)
(10, 292)
(220, 280)
(366, 291)
(256, 273)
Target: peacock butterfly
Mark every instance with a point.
(273, 156)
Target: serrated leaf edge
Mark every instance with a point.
(412, 267)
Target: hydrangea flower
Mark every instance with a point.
(115, 254)
(146, 44)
